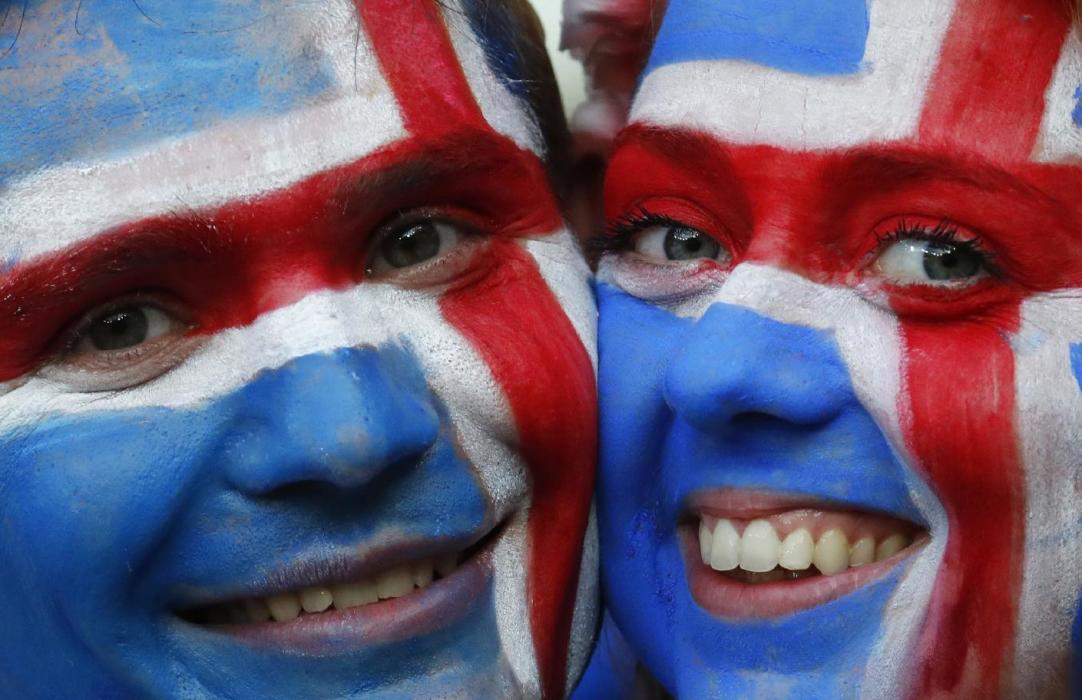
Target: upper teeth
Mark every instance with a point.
(760, 549)
(393, 583)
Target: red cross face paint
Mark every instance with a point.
(296, 356)
(840, 364)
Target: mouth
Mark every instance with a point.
(385, 596)
(755, 555)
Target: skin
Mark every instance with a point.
(278, 317)
(803, 349)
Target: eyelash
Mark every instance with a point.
(945, 233)
(621, 232)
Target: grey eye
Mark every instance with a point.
(412, 245)
(124, 328)
(678, 244)
(939, 263)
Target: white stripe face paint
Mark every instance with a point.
(1060, 140)
(1050, 432)
(53, 208)
(747, 103)
(503, 111)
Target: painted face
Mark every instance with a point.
(841, 351)
(296, 394)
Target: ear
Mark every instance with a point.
(612, 39)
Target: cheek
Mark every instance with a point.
(515, 322)
(90, 490)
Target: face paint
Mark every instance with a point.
(841, 414)
(296, 396)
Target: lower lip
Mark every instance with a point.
(425, 611)
(723, 597)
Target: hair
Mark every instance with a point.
(514, 43)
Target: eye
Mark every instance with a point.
(934, 258)
(123, 329)
(121, 345)
(412, 244)
(676, 243)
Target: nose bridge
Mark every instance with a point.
(737, 361)
(340, 417)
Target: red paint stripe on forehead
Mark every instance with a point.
(958, 417)
(994, 68)
(419, 62)
(520, 330)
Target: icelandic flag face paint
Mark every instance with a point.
(838, 345)
(290, 328)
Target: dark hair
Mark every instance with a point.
(514, 44)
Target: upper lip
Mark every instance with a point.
(751, 504)
(345, 564)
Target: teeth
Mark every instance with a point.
(891, 546)
(423, 574)
(706, 541)
(316, 600)
(759, 547)
(724, 547)
(863, 552)
(759, 550)
(352, 595)
(797, 550)
(394, 583)
(831, 552)
(284, 607)
(287, 606)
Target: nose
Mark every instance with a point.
(338, 418)
(737, 362)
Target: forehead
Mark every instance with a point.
(113, 111)
(83, 78)
(999, 78)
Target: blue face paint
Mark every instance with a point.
(1077, 113)
(1076, 642)
(103, 77)
(1076, 362)
(733, 400)
(799, 36)
(114, 520)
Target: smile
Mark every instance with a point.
(385, 596)
(756, 555)
(286, 606)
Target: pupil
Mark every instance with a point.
(416, 244)
(943, 261)
(120, 329)
(688, 244)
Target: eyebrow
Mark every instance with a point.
(868, 170)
